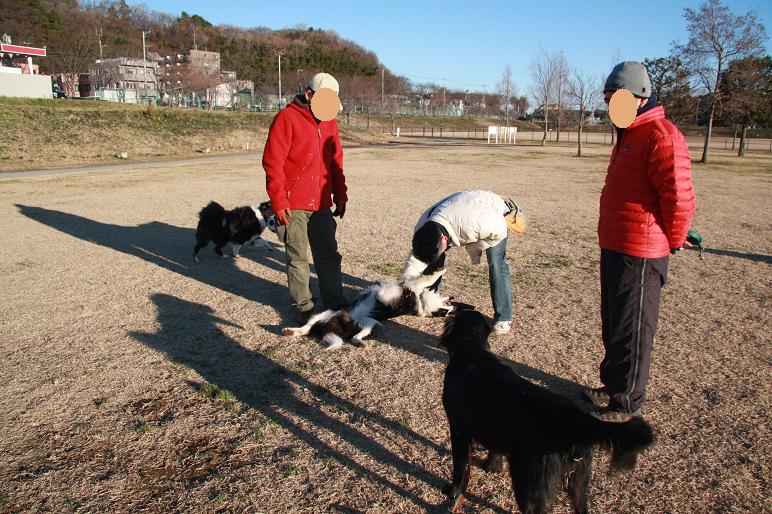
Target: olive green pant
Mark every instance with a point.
(317, 230)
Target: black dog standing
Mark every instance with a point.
(546, 438)
(238, 226)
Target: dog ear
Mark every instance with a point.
(465, 329)
(458, 306)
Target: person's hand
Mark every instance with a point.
(340, 210)
(283, 216)
(674, 251)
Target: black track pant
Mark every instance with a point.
(629, 303)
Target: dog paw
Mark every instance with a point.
(334, 345)
(288, 331)
(454, 494)
(333, 341)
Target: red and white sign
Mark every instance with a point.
(23, 50)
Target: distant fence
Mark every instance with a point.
(535, 136)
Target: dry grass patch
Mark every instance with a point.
(135, 379)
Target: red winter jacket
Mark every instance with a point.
(303, 161)
(647, 203)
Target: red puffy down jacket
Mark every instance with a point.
(303, 161)
(647, 203)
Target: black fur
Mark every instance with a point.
(237, 226)
(546, 438)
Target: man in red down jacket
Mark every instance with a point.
(646, 209)
(303, 162)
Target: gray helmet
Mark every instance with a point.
(630, 75)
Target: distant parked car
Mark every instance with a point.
(57, 92)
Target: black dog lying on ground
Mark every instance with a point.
(546, 438)
(239, 226)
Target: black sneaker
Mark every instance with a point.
(598, 396)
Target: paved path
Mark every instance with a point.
(128, 166)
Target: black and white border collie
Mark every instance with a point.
(239, 226)
(383, 300)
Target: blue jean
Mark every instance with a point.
(498, 275)
(501, 284)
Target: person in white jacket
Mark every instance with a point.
(479, 221)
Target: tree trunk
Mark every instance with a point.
(579, 148)
(734, 136)
(546, 120)
(560, 112)
(743, 131)
(708, 132)
(613, 134)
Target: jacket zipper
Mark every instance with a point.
(321, 159)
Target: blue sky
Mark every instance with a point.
(470, 43)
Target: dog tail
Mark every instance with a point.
(213, 211)
(627, 441)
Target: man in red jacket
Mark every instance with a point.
(303, 162)
(646, 209)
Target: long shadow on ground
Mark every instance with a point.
(171, 248)
(755, 257)
(256, 380)
(282, 395)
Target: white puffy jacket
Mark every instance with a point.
(473, 219)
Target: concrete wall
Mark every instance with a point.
(27, 86)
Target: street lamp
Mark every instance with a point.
(280, 102)
(144, 65)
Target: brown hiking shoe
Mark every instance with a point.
(614, 415)
(598, 396)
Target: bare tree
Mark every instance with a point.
(716, 38)
(561, 84)
(543, 72)
(584, 95)
(507, 89)
(747, 86)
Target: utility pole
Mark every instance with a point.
(195, 46)
(280, 102)
(444, 87)
(383, 71)
(144, 65)
(99, 38)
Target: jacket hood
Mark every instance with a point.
(300, 103)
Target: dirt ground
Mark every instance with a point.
(133, 379)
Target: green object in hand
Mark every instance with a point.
(694, 238)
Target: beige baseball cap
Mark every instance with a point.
(323, 80)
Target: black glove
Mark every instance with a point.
(674, 251)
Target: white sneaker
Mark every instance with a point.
(502, 327)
